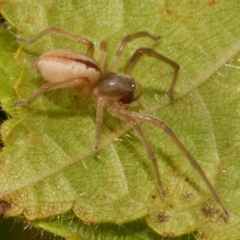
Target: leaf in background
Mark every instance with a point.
(49, 165)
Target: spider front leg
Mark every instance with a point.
(119, 112)
(52, 29)
(151, 53)
(75, 83)
(160, 124)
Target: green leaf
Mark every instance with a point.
(72, 228)
(49, 166)
(8, 69)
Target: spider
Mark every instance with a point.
(112, 90)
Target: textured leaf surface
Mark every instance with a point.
(8, 70)
(49, 166)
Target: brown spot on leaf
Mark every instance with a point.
(88, 222)
(213, 2)
(168, 234)
(208, 211)
(4, 206)
(162, 217)
(167, 11)
(153, 196)
(226, 144)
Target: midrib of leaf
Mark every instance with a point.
(210, 128)
(121, 169)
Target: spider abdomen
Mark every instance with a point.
(62, 65)
(116, 86)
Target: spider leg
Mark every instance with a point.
(160, 124)
(126, 116)
(103, 54)
(123, 45)
(99, 118)
(75, 83)
(52, 29)
(151, 53)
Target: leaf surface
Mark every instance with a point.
(49, 166)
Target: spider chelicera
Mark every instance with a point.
(112, 90)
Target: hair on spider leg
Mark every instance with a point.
(113, 91)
